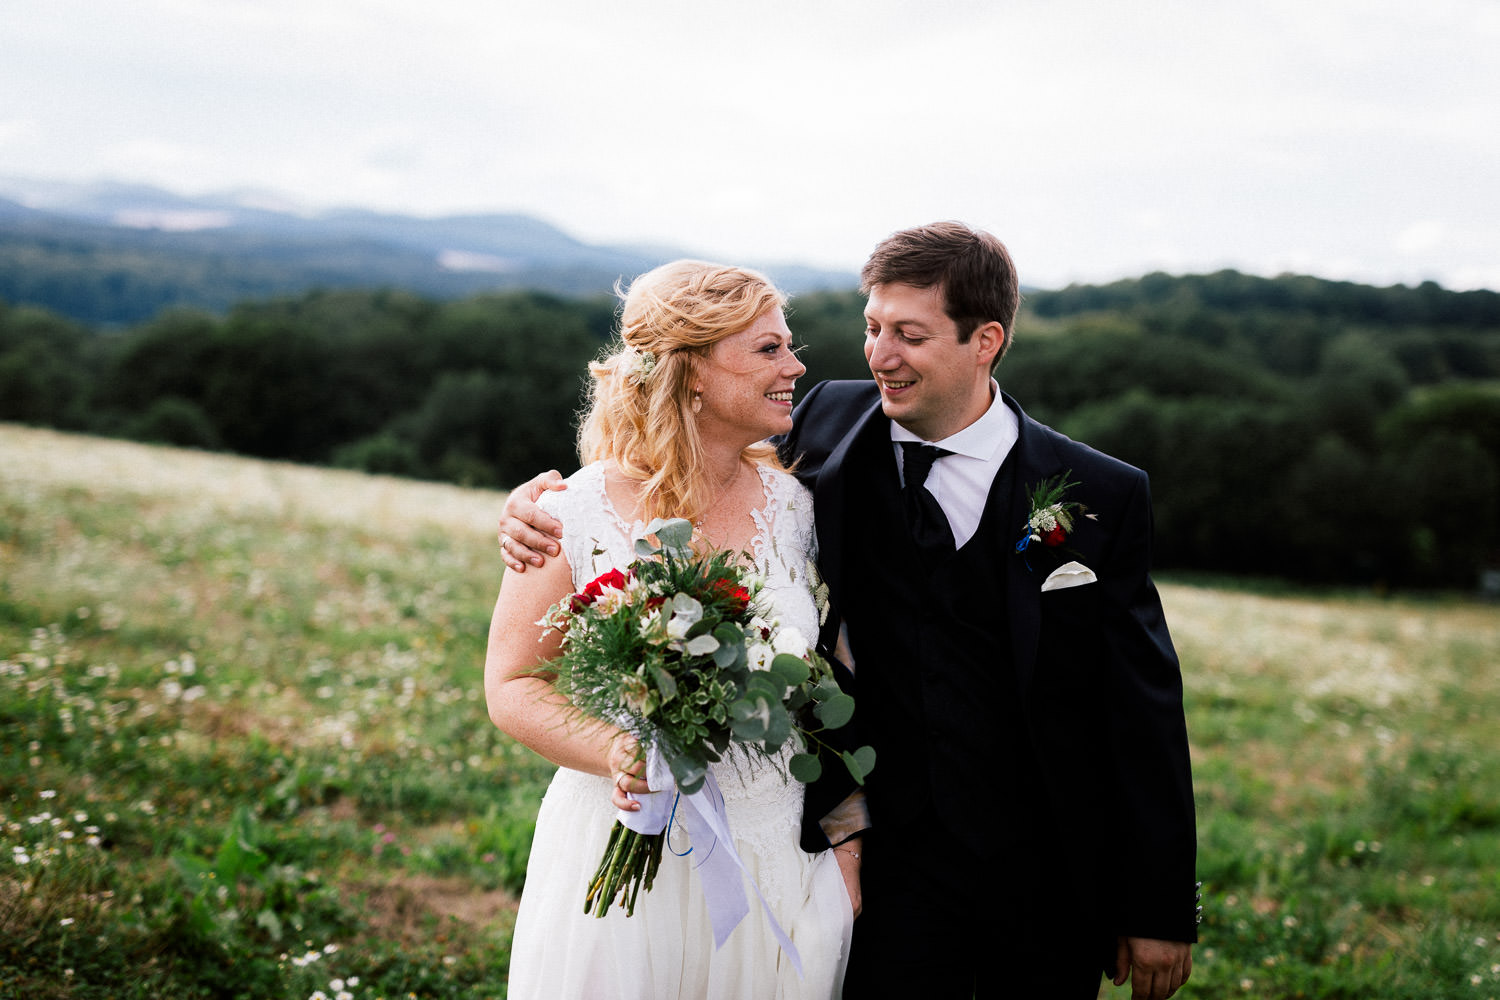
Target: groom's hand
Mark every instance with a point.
(848, 855)
(1156, 969)
(527, 533)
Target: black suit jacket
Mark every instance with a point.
(1099, 682)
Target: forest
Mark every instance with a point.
(1294, 428)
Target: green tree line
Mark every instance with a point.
(1304, 429)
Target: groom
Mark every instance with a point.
(1031, 813)
(1031, 809)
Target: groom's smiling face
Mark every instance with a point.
(931, 383)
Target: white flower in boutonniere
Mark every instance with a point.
(1052, 516)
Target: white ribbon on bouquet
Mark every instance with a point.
(719, 865)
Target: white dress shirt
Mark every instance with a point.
(961, 481)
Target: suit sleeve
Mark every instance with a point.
(1155, 895)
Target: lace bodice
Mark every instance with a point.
(764, 804)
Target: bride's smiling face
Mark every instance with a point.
(746, 382)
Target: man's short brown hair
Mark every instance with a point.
(972, 267)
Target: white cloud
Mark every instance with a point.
(1098, 140)
(1420, 238)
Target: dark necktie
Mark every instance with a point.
(928, 523)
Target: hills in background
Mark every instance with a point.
(114, 254)
(1292, 426)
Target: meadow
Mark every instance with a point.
(244, 751)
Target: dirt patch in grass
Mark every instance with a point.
(407, 907)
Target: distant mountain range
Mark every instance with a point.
(116, 254)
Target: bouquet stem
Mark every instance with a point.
(630, 861)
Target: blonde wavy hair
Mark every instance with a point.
(639, 410)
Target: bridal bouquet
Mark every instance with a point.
(675, 649)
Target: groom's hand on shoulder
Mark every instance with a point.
(528, 534)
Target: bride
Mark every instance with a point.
(676, 427)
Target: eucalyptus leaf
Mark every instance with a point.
(805, 767)
(688, 773)
(731, 649)
(753, 716)
(686, 608)
(778, 726)
(675, 533)
(750, 730)
(827, 688)
(666, 684)
(765, 684)
(836, 711)
(791, 669)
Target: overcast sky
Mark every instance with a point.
(1352, 139)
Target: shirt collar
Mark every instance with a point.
(993, 433)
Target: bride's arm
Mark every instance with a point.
(518, 688)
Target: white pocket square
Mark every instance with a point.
(1073, 574)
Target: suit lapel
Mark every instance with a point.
(830, 491)
(1036, 459)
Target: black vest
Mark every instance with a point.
(937, 686)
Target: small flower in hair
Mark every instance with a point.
(643, 365)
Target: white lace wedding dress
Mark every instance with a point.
(666, 949)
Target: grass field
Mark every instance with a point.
(243, 750)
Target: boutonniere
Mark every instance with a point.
(1052, 515)
(1052, 519)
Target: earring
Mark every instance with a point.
(697, 401)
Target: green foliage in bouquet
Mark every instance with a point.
(676, 650)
